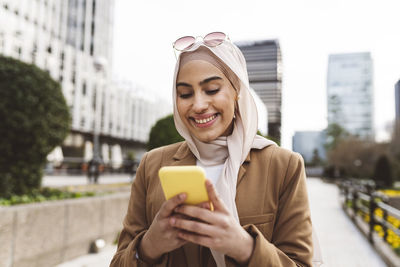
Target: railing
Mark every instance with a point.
(371, 206)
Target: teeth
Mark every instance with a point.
(206, 120)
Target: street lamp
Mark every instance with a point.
(99, 64)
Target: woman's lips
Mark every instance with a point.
(205, 122)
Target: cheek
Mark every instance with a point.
(182, 109)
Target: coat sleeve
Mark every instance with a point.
(135, 226)
(291, 243)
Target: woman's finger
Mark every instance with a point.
(201, 240)
(216, 201)
(168, 207)
(198, 213)
(194, 226)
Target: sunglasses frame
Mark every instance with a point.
(195, 41)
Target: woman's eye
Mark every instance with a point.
(184, 96)
(212, 92)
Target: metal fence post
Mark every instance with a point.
(385, 229)
(372, 207)
(355, 207)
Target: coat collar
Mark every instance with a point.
(184, 156)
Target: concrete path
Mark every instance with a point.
(341, 242)
(67, 180)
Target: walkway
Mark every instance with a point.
(341, 242)
(67, 180)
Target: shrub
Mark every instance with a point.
(163, 133)
(34, 120)
(383, 172)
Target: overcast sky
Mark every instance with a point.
(308, 31)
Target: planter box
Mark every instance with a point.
(48, 233)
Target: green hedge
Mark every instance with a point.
(34, 120)
(43, 194)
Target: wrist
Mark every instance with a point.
(147, 252)
(245, 253)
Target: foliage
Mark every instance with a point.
(316, 159)
(276, 140)
(41, 195)
(334, 134)
(163, 133)
(353, 157)
(34, 120)
(383, 172)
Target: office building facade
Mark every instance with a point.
(310, 144)
(264, 62)
(73, 41)
(350, 93)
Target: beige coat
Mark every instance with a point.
(271, 199)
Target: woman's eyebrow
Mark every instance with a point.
(210, 79)
(200, 83)
(183, 84)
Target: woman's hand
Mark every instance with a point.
(216, 229)
(161, 237)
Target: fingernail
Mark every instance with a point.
(172, 221)
(182, 196)
(176, 210)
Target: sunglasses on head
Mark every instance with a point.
(212, 39)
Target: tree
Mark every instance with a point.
(383, 172)
(163, 133)
(316, 159)
(34, 120)
(274, 139)
(334, 134)
(354, 157)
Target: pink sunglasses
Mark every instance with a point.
(212, 39)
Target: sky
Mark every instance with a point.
(308, 31)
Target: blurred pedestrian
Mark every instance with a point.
(93, 171)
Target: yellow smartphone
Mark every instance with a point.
(184, 179)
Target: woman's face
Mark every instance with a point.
(205, 100)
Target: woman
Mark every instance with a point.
(261, 215)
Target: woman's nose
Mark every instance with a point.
(200, 104)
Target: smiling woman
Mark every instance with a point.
(259, 213)
(205, 100)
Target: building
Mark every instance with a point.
(310, 144)
(73, 41)
(264, 61)
(262, 113)
(397, 100)
(350, 93)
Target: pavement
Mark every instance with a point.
(342, 244)
(69, 180)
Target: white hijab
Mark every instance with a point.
(233, 149)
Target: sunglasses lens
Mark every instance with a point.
(214, 38)
(184, 43)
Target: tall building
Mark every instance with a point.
(397, 100)
(73, 41)
(262, 113)
(309, 144)
(264, 61)
(350, 93)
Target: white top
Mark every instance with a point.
(213, 173)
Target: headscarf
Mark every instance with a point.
(231, 150)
